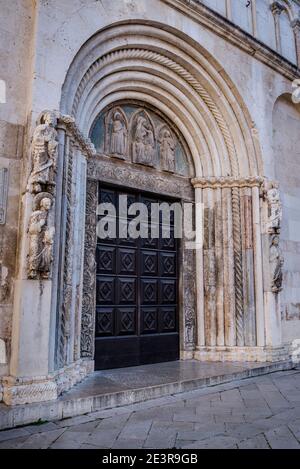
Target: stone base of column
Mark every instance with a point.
(16, 391)
(242, 354)
(187, 355)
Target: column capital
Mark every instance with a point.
(277, 8)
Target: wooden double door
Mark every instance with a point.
(137, 291)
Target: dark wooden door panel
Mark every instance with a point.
(137, 283)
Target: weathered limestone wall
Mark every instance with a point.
(286, 131)
(272, 22)
(16, 32)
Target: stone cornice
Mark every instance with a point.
(232, 33)
(227, 182)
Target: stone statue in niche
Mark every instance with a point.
(118, 140)
(274, 207)
(167, 150)
(144, 142)
(44, 155)
(41, 236)
(276, 263)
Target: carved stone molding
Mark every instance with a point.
(84, 143)
(102, 168)
(89, 272)
(3, 194)
(229, 182)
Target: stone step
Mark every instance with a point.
(114, 388)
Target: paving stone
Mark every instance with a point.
(70, 440)
(244, 430)
(128, 444)
(13, 444)
(14, 433)
(257, 442)
(202, 433)
(137, 430)
(42, 440)
(161, 439)
(282, 438)
(45, 427)
(103, 439)
(219, 442)
(294, 426)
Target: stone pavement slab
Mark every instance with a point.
(255, 413)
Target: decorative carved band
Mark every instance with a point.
(89, 273)
(102, 168)
(227, 182)
(85, 144)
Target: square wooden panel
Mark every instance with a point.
(126, 321)
(105, 322)
(149, 291)
(149, 263)
(105, 290)
(126, 290)
(106, 259)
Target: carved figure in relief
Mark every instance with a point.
(276, 263)
(44, 155)
(144, 142)
(41, 237)
(274, 207)
(167, 151)
(118, 135)
(189, 326)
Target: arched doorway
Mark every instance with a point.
(139, 299)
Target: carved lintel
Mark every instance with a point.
(102, 168)
(3, 194)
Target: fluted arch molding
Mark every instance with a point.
(161, 66)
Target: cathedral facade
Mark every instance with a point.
(159, 103)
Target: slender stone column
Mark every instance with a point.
(296, 29)
(199, 268)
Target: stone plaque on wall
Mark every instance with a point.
(3, 194)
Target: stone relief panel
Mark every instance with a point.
(271, 196)
(41, 237)
(140, 136)
(143, 139)
(44, 155)
(41, 184)
(116, 133)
